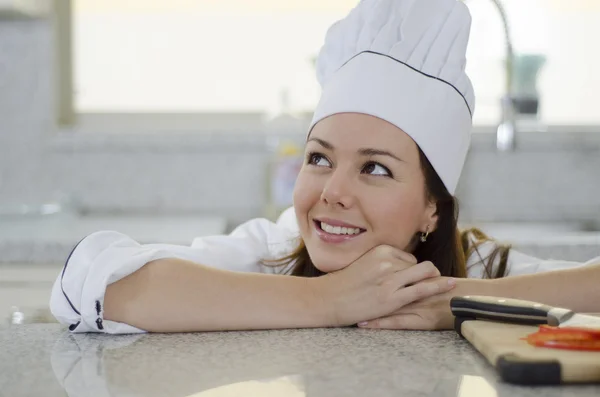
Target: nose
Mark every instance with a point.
(338, 190)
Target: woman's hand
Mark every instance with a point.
(432, 313)
(376, 285)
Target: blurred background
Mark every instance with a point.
(172, 119)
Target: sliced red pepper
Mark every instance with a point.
(586, 345)
(574, 335)
(550, 329)
(565, 338)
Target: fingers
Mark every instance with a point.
(405, 256)
(429, 314)
(385, 252)
(409, 275)
(390, 259)
(422, 290)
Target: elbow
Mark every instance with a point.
(82, 296)
(131, 299)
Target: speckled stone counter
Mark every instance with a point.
(45, 360)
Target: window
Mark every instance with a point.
(199, 56)
(204, 57)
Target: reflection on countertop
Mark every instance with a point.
(286, 386)
(475, 386)
(44, 359)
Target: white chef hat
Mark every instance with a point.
(404, 61)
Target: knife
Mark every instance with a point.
(519, 312)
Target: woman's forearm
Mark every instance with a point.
(576, 289)
(173, 295)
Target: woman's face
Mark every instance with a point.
(361, 186)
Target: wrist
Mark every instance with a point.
(320, 304)
(473, 286)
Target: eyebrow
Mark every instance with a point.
(364, 151)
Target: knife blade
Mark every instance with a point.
(519, 312)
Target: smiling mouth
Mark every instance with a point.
(337, 230)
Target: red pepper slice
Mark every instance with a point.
(584, 345)
(561, 335)
(595, 333)
(570, 338)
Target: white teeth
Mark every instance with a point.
(339, 230)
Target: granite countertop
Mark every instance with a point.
(44, 359)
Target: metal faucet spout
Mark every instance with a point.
(506, 132)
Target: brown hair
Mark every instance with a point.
(447, 248)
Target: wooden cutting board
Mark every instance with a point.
(521, 363)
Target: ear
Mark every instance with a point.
(430, 218)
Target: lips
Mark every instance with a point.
(334, 222)
(333, 238)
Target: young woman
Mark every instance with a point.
(374, 239)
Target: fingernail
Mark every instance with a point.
(363, 324)
(451, 282)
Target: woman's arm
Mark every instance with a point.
(171, 277)
(112, 284)
(576, 289)
(175, 295)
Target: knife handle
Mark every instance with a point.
(500, 309)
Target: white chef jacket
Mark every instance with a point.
(105, 257)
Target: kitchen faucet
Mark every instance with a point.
(506, 130)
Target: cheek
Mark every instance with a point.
(306, 194)
(396, 220)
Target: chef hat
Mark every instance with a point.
(404, 61)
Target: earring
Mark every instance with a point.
(425, 235)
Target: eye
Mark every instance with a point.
(377, 169)
(317, 159)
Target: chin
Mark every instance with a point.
(328, 263)
(330, 258)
